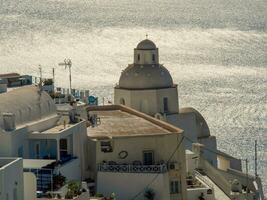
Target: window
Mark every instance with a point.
(63, 147)
(138, 57)
(122, 101)
(106, 146)
(153, 57)
(165, 104)
(148, 157)
(174, 187)
(37, 150)
(20, 152)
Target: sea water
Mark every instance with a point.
(216, 50)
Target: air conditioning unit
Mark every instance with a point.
(173, 166)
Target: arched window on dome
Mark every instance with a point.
(138, 57)
(153, 57)
(122, 101)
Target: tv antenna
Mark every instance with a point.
(67, 63)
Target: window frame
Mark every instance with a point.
(138, 57)
(153, 157)
(165, 104)
(106, 146)
(175, 187)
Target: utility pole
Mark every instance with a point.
(53, 71)
(40, 71)
(67, 63)
(247, 176)
(41, 77)
(256, 159)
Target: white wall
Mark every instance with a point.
(71, 170)
(136, 99)
(191, 161)
(30, 186)
(5, 144)
(163, 147)
(80, 142)
(210, 143)
(127, 185)
(193, 194)
(11, 175)
(223, 163)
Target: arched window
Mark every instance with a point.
(165, 104)
(153, 57)
(138, 57)
(122, 101)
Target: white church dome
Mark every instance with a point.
(145, 77)
(146, 45)
(145, 72)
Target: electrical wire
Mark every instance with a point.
(156, 176)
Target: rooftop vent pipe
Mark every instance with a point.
(9, 121)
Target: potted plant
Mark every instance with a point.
(149, 194)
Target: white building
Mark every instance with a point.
(130, 151)
(147, 86)
(11, 179)
(31, 128)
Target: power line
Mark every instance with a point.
(204, 147)
(156, 176)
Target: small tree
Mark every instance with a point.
(149, 194)
(58, 181)
(99, 195)
(74, 186)
(112, 196)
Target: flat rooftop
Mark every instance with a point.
(121, 121)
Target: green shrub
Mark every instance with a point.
(149, 194)
(74, 186)
(99, 195)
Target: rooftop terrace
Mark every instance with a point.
(121, 121)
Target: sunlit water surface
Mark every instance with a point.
(216, 50)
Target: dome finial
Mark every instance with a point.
(146, 36)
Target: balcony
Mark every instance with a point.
(125, 168)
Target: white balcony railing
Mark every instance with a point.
(133, 168)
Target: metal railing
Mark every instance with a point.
(133, 168)
(44, 178)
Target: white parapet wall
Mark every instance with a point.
(11, 179)
(127, 185)
(71, 170)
